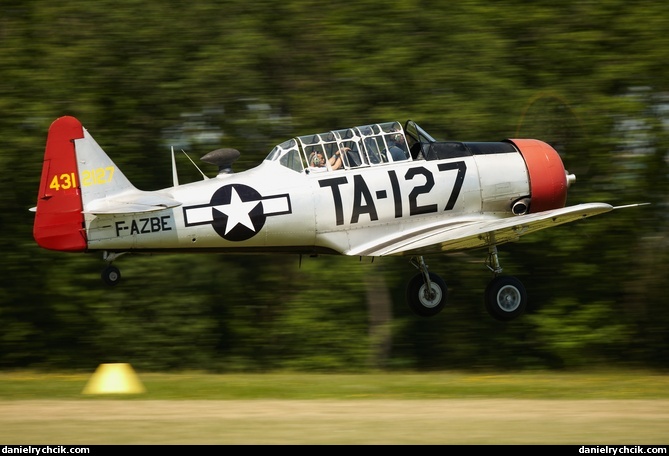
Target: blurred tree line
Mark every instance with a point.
(590, 78)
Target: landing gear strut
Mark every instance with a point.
(426, 292)
(505, 297)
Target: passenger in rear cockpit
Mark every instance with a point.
(397, 148)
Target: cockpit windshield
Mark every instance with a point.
(355, 147)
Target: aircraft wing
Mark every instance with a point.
(129, 202)
(473, 233)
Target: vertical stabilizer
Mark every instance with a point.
(59, 221)
(99, 177)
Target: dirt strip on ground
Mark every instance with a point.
(441, 421)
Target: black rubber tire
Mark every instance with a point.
(505, 298)
(111, 275)
(421, 304)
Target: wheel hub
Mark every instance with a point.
(508, 298)
(430, 297)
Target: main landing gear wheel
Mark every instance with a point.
(423, 300)
(505, 298)
(111, 275)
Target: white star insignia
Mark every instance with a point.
(237, 211)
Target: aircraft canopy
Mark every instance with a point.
(362, 146)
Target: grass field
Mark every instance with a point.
(595, 408)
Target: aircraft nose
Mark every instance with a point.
(548, 178)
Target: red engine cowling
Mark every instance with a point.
(548, 178)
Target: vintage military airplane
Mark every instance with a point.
(372, 190)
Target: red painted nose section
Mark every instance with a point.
(548, 178)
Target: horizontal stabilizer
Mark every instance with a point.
(129, 202)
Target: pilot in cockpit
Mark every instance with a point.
(317, 160)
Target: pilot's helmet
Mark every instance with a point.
(316, 158)
(396, 136)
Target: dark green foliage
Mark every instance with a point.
(589, 78)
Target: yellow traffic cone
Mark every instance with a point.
(117, 378)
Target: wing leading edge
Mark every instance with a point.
(473, 233)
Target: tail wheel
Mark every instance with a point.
(424, 301)
(505, 298)
(111, 275)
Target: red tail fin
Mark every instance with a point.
(59, 221)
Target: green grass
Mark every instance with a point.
(388, 385)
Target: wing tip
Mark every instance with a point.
(627, 206)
